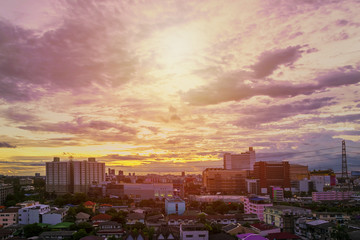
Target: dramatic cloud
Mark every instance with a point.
(6, 145)
(231, 89)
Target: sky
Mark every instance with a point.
(169, 86)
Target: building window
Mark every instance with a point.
(201, 235)
(189, 236)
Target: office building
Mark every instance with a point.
(272, 174)
(218, 180)
(242, 161)
(298, 172)
(73, 176)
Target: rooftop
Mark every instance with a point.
(263, 226)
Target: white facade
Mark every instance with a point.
(54, 217)
(33, 214)
(256, 205)
(320, 181)
(243, 161)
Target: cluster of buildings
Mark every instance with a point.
(260, 186)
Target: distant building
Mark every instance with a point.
(272, 174)
(26, 181)
(140, 191)
(256, 205)
(32, 214)
(242, 161)
(331, 196)
(174, 206)
(73, 176)
(5, 190)
(217, 180)
(298, 172)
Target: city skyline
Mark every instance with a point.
(171, 86)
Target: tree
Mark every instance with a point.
(31, 230)
(80, 234)
(340, 233)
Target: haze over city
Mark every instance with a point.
(170, 86)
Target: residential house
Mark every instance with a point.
(264, 229)
(196, 231)
(102, 217)
(82, 217)
(110, 229)
(133, 218)
(32, 214)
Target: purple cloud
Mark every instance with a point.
(271, 60)
(232, 89)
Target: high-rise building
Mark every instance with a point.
(5, 190)
(87, 173)
(58, 176)
(73, 176)
(242, 161)
(225, 181)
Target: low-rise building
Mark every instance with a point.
(9, 216)
(284, 217)
(193, 232)
(335, 217)
(256, 205)
(174, 206)
(32, 214)
(54, 217)
(110, 229)
(264, 229)
(82, 217)
(133, 218)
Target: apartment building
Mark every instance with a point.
(73, 176)
(256, 205)
(5, 190)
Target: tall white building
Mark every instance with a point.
(242, 161)
(73, 176)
